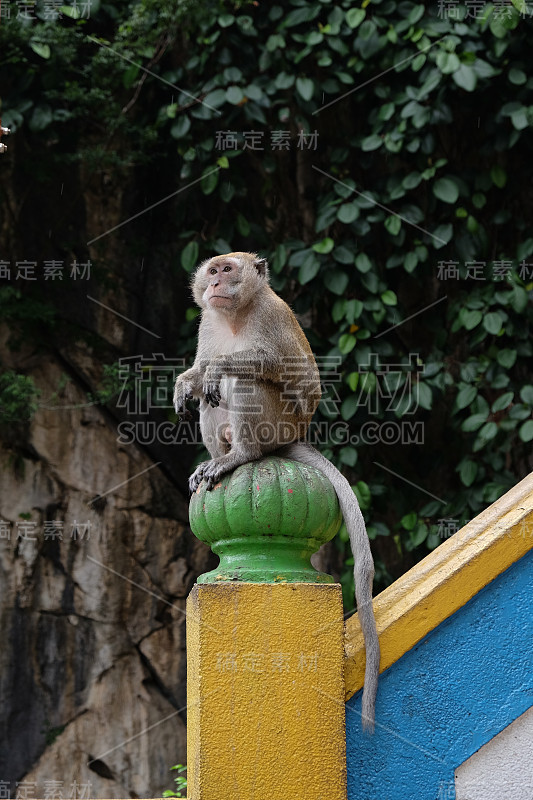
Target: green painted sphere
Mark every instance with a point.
(265, 520)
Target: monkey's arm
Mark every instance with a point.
(256, 364)
(187, 386)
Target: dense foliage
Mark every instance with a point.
(379, 155)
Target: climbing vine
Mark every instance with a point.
(379, 155)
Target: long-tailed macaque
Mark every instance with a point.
(258, 385)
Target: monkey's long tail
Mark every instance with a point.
(363, 566)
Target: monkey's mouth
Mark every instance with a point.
(223, 297)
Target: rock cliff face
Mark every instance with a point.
(96, 557)
(96, 561)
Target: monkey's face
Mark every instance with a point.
(227, 283)
(222, 283)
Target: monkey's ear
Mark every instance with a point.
(261, 265)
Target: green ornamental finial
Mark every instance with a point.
(265, 520)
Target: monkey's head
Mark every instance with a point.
(227, 283)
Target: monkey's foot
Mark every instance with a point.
(210, 472)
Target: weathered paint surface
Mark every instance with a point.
(445, 580)
(503, 768)
(449, 695)
(265, 520)
(265, 692)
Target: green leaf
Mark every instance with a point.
(189, 256)
(409, 520)
(520, 119)
(280, 258)
(363, 263)
(386, 112)
(493, 323)
(70, 11)
(473, 423)
(447, 62)
(468, 472)
(506, 358)
(499, 176)
(418, 62)
(215, 98)
(234, 95)
(347, 343)
(349, 407)
(223, 162)
(519, 299)
(389, 298)
(336, 281)
(325, 246)
(348, 455)
(363, 494)
(502, 402)
(517, 76)
(354, 309)
(338, 311)
(486, 434)
(526, 431)
(209, 180)
(284, 80)
(181, 127)
(471, 319)
(443, 232)
(225, 20)
(425, 396)
(519, 412)
(352, 380)
(301, 15)
(371, 142)
(305, 87)
(274, 42)
(343, 255)
(41, 49)
(227, 191)
(465, 396)
(309, 269)
(347, 213)
(526, 394)
(393, 224)
(446, 190)
(410, 262)
(419, 535)
(355, 16)
(368, 381)
(465, 77)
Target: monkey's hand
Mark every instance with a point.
(182, 392)
(211, 386)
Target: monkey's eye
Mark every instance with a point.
(227, 269)
(213, 271)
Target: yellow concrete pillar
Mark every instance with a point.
(265, 681)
